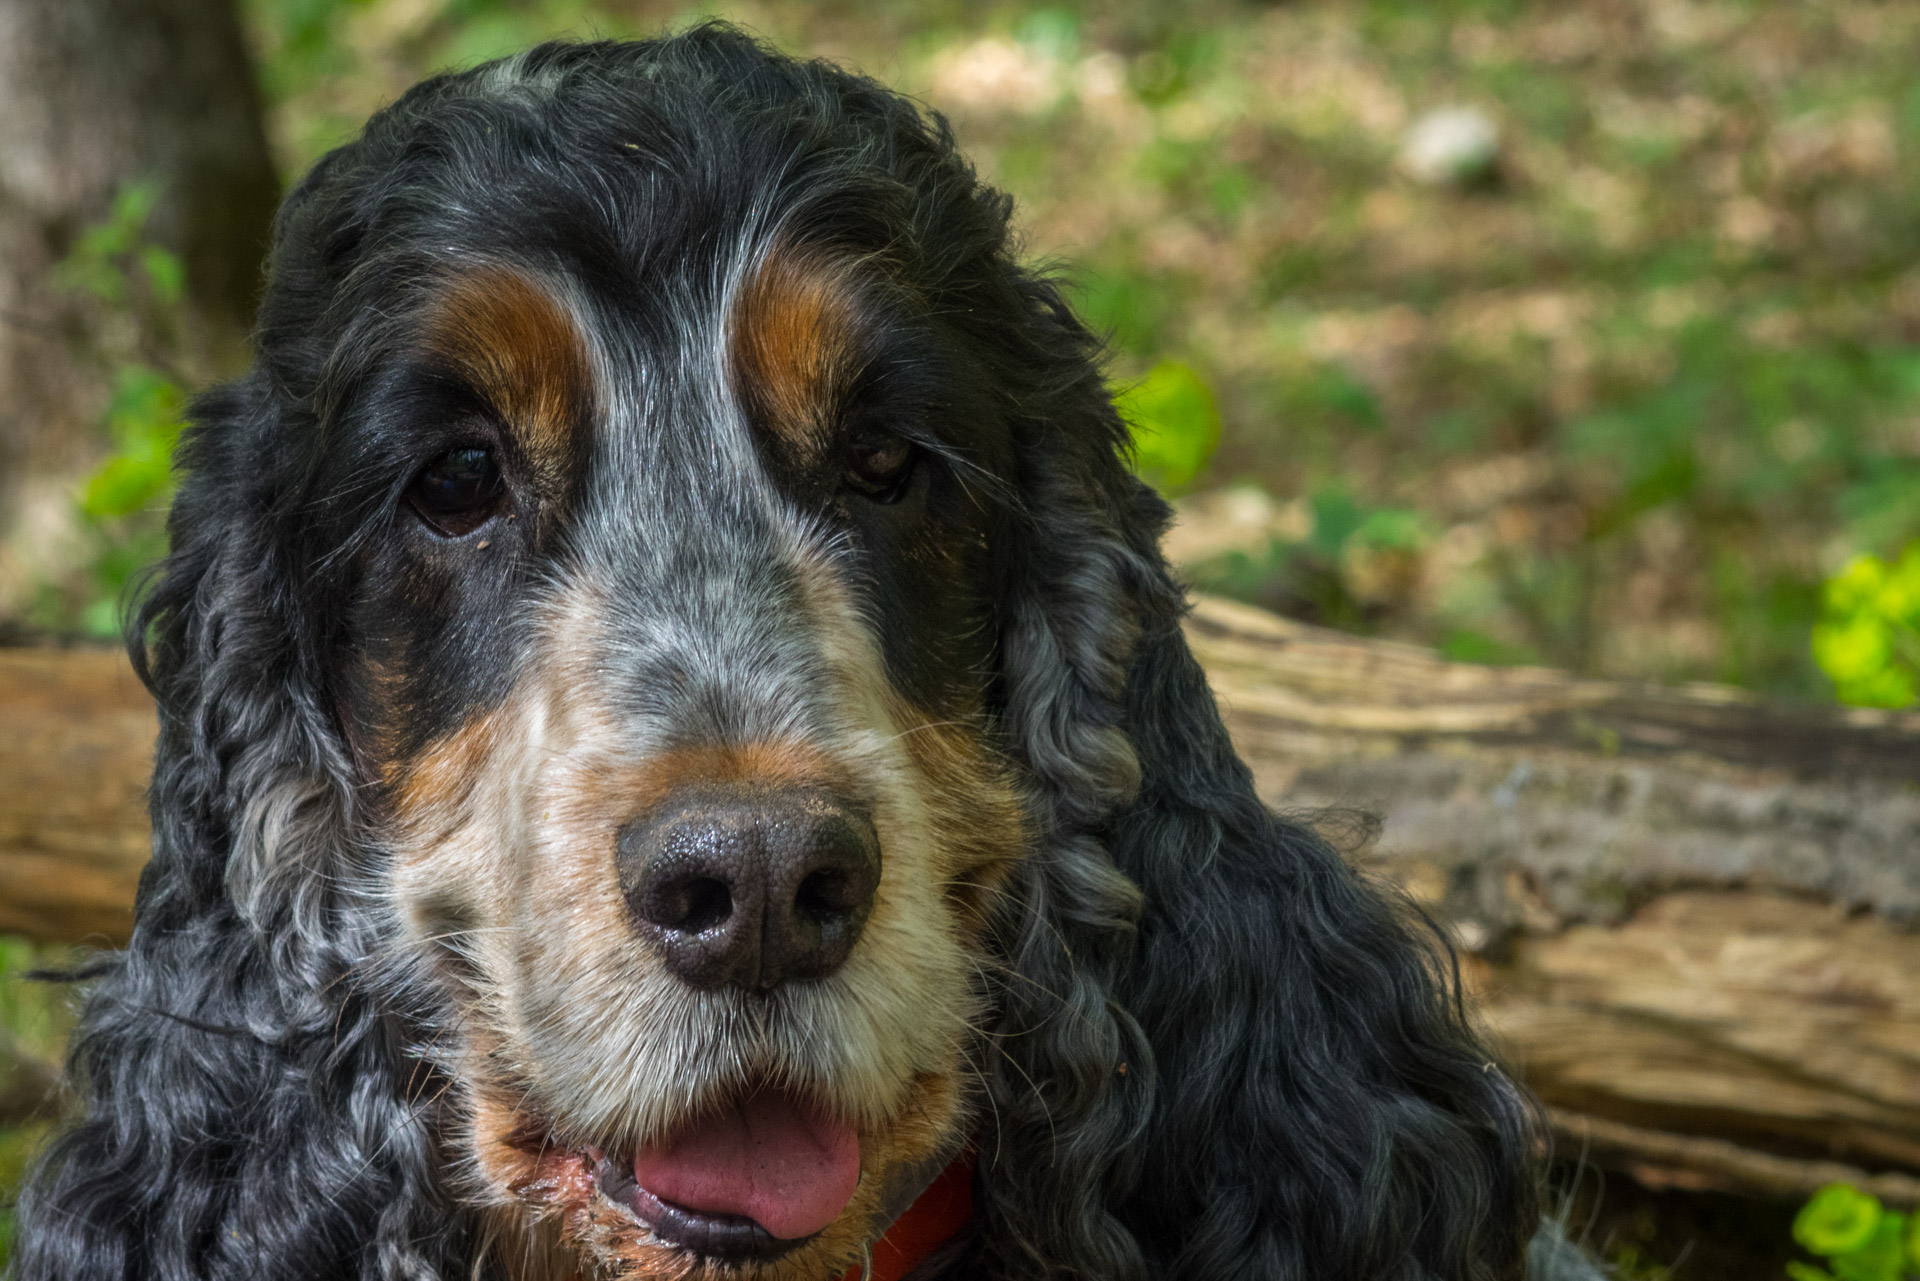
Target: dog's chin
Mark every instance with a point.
(767, 1186)
(761, 1184)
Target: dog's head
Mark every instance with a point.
(647, 424)
(674, 722)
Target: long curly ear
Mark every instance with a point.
(245, 1112)
(1223, 1054)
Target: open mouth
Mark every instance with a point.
(750, 1181)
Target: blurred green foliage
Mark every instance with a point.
(1643, 387)
(108, 257)
(1176, 425)
(121, 505)
(1860, 1239)
(1322, 575)
(1868, 637)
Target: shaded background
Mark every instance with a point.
(1615, 385)
(1584, 334)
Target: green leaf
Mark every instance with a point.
(1464, 645)
(131, 207)
(101, 619)
(98, 263)
(144, 419)
(1883, 1256)
(1797, 1271)
(145, 409)
(1176, 425)
(1868, 638)
(1839, 1219)
(1399, 528)
(124, 484)
(1131, 307)
(1336, 518)
(165, 272)
(91, 273)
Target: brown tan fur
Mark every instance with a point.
(973, 799)
(518, 347)
(795, 345)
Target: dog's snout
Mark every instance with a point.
(750, 888)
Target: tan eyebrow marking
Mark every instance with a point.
(520, 349)
(794, 345)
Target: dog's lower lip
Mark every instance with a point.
(717, 1236)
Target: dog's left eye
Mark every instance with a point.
(880, 469)
(458, 491)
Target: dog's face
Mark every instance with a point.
(669, 658)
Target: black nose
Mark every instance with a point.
(750, 887)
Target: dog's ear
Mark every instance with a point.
(1222, 1053)
(250, 781)
(244, 1113)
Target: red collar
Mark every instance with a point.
(929, 1223)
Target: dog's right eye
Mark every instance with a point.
(880, 469)
(458, 491)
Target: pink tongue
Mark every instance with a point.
(773, 1159)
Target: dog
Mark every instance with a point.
(678, 759)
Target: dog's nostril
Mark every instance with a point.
(826, 894)
(690, 904)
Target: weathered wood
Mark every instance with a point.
(1780, 1024)
(75, 750)
(1596, 794)
(1684, 912)
(1662, 1160)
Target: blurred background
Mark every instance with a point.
(1573, 333)
(1582, 334)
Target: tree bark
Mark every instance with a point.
(1684, 913)
(95, 95)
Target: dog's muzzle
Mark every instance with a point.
(748, 887)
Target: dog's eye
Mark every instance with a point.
(458, 491)
(880, 469)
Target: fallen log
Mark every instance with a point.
(76, 748)
(1661, 1160)
(1684, 912)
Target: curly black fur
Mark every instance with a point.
(1218, 1054)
